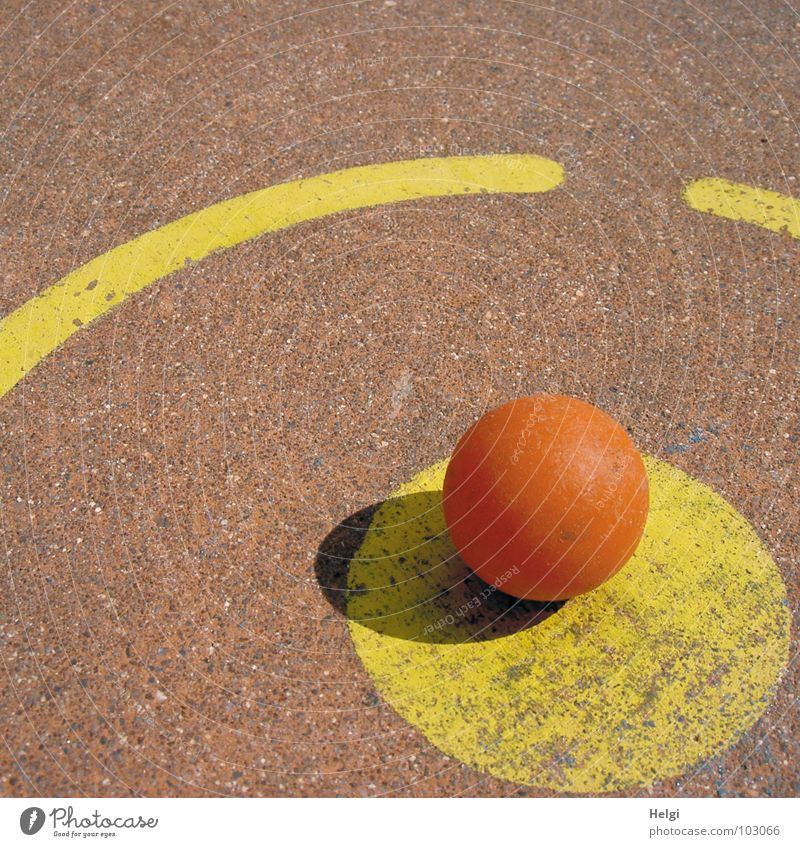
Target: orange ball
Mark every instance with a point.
(546, 497)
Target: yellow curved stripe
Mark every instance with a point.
(739, 202)
(45, 322)
(662, 666)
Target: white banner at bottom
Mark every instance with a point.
(387, 822)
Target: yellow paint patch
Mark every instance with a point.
(739, 202)
(45, 322)
(662, 666)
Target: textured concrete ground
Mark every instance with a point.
(168, 476)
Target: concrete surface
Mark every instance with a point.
(169, 475)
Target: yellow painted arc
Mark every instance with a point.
(41, 325)
(739, 202)
(664, 665)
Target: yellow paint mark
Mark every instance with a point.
(739, 202)
(45, 322)
(661, 667)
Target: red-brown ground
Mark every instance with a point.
(168, 476)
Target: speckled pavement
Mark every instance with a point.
(169, 476)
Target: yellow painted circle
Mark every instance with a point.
(661, 667)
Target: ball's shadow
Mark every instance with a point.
(392, 567)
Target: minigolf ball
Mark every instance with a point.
(545, 497)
